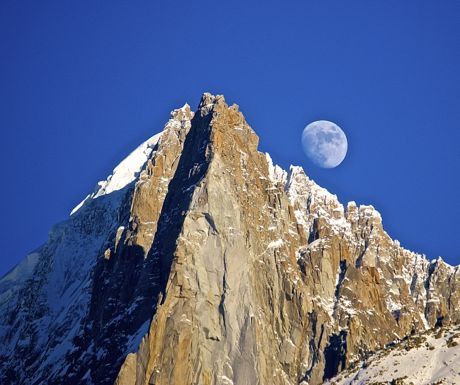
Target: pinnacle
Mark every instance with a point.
(209, 101)
(182, 112)
(208, 98)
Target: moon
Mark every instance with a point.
(324, 143)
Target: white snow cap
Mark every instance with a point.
(126, 172)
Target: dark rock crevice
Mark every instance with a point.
(335, 354)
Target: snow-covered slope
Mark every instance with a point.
(125, 173)
(430, 358)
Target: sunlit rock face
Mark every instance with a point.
(201, 262)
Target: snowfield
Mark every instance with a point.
(430, 358)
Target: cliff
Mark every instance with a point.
(199, 261)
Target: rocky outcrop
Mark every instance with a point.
(210, 265)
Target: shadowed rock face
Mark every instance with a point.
(213, 266)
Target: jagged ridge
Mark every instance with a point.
(199, 261)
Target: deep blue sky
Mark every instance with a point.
(82, 83)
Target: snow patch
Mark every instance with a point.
(126, 172)
(430, 358)
(276, 244)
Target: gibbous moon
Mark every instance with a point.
(324, 143)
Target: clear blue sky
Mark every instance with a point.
(84, 82)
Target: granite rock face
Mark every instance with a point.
(201, 262)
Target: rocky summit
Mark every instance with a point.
(199, 261)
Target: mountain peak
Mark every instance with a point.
(209, 101)
(201, 261)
